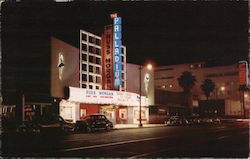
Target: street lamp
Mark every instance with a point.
(149, 67)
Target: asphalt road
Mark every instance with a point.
(224, 140)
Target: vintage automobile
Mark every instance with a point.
(53, 123)
(93, 122)
(176, 120)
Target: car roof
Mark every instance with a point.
(95, 115)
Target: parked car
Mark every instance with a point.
(210, 120)
(193, 120)
(93, 122)
(28, 127)
(53, 123)
(176, 120)
(216, 121)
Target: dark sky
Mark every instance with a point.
(165, 32)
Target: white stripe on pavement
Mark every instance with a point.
(111, 144)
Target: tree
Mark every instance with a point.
(187, 82)
(243, 89)
(207, 87)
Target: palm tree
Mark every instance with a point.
(187, 82)
(243, 89)
(207, 87)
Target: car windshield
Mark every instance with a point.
(98, 117)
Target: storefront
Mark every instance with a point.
(119, 107)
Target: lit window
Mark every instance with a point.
(98, 80)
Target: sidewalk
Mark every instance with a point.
(130, 126)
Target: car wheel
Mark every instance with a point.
(108, 128)
(89, 130)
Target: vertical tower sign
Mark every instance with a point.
(243, 73)
(107, 60)
(117, 49)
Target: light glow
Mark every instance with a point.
(222, 88)
(149, 66)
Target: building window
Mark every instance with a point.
(98, 80)
(91, 78)
(164, 69)
(123, 77)
(122, 50)
(91, 59)
(97, 70)
(98, 51)
(84, 57)
(91, 68)
(84, 37)
(84, 77)
(90, 87)
(97, 87)
(98, 61)
(91, 39)
(84, 86)
(91, 49)
(98, 42)
(84, 67)
(84, 47)
(122, 58)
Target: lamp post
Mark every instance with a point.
(149, 67)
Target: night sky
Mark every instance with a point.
(165, 32)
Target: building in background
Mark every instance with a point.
(107, 84)
(226, 95)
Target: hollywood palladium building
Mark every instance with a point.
(103, 79)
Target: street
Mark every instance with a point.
(222, 140)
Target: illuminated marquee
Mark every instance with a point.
(117, 43)
(91, 96)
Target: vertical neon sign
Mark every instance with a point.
(243, 73)
(117, 43)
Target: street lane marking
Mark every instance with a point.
(222, 137)
(109, 144)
